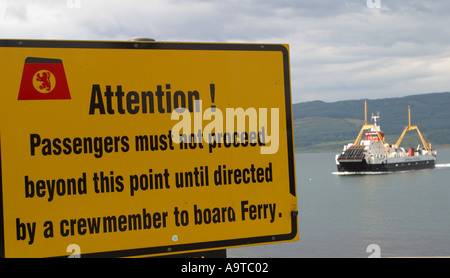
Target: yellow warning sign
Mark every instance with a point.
(115, 149)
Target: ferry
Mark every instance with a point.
(375, 155)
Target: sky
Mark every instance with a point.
(339, 49)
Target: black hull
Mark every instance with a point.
(362, 166)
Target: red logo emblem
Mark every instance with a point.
(43, 78)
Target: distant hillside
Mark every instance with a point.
(323, 126)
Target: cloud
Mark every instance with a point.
(338, 49)
(370, 53)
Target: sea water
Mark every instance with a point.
(402, 214)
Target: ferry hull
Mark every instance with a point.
(363, 166)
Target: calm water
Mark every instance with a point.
(405, 213)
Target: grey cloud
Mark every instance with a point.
(338, 49)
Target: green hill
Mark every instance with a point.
(324, 126)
